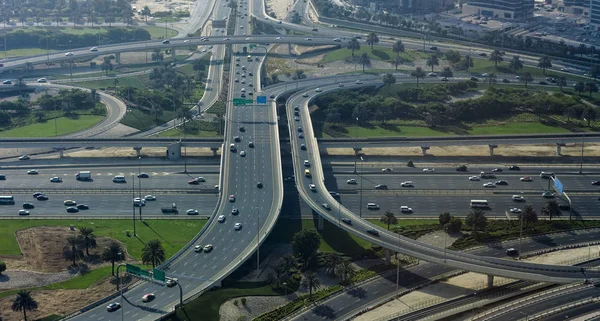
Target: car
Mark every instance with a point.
(143, 175)
(542, 83)
(335, 194)
(405, 209)
(473, 79)
(352, 181)
(564, 207)
(56, 179)
(312, 187)
(373, 232)
(82, 207)
(28, 205)
(489, 184)
(70, 203)
(171, 282)
(483, 54)
(506, 81)
(518, 198)
(318, 90)
(548, 194)
(326, 206)
(225, 39)
(232, 198)
(514, 168)
(596, 183)
(237, 138)
(358, 81)
(23, 212)
(381, 187)
(407, 184)
(72, 209)
(243, 95)
(24, 157)
(259, 185)
(526, 179)
(300, 135)
(502, 182)
(433, 48)
(372, 206)
(474, 178)
(237, 226)
(208, 248)
(347, 220)
(444, 79)
(497, 170)
(243, 153)
(387, 169)
(221, 218)
(300, 130)
(68, 54)
(237, 80)
(42, 80)
(186, 41)
(192, 211)
(303, 147)
(515, 210)
(432, 74)
(429, 170)
(242, 129)
(193, 182)
(251, 144)
(198, 248)
(308, 39)
(305, 95)
(32, 172)
(512, 252)
(94, 49)
(164, 42)
(337, 39)
(273, 96)
(296, 118)
(113, 307)
(340, 85)
(306, 163)
(42, 198)
(37, 194)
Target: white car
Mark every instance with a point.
(407, 184)
(186, 41)
(432, 74)
(221, 218)
(32, 172)
(279, 38)
(225, 39)
(237, 226)
(337, 39)
(358, 81)
(515, 210)
(42, 80)
(341, 85)
(198, 248)
(474, 178)
(351, 181)
(94, 49)
(489, 184)
(200, 179)
(192, 211)
(150, 198)
(68, 54)
(56, 179)
(248, 38)
(24, 157)
(326, 206)
(305, 95)
(429, 170)
(243, 153)
(306, 163)
(518, 198)
(23, 212)
(312, 187)
(308, 39)
(318, 90)
(387, 169)
(405, 209)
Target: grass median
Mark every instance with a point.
(63, 126)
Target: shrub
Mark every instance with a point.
(235, 302)
(410, 163)
(445, 218)
(243, 301)
(2, 267)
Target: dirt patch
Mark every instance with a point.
(60, 302)
(42, 248)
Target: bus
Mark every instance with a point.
(7, 200)
(479, 203)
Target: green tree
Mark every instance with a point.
(305, 245)
(299, 74)
(476, 220)
(112, 253)
(24, 302)
(526, 78)
(579, 87)
(88, 238)
(551, 209)
(445, 218)
(372, 39)
(491, 79)
(153, 253)
(454, 226)
(467, 62)
(146, 12)
(452, 56)
(332, 260)
(515, 64)
(157, 55)
(561, 82)
(72, 249)
(345, 270)
(544, 62)
(310, 282)
(353, 45)
(2, 267)
(595, 71)
(389, 218)
(529, 215)
(389, 79)
(278, 277)
(106, 65)
(496, 57)
(398, 47)
(419, 73)
(364, 60)
(433, 61)
(398, 61)
(446, 72)
(590, 87)
(590, 114)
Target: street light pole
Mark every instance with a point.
(133, 201)
(520, 234)
(582, 145)
(140, 185)
(361, 187)
(356, 145)
(257, 244)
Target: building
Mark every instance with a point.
(595, 13)
(502, 9)
(424, 6)
(577, 7)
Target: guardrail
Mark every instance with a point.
(107, 191)
(566, 307)
(104, 217)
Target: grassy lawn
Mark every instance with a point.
(517, 128)
(64, 126)
(486, 66)
(388, 131)
(159, 32)
(125, 81)
(378, 53)
(176, 132)
(23, 52)
(139, 119)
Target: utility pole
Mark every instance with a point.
(356, 145)
(582, 145)
(140, 185)
(133, 202)
(520, 234)
(361, 187)
(257, 243)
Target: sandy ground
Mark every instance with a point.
(162, 5)
(465, 284)
(281, 8)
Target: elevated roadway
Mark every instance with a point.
(334, 212)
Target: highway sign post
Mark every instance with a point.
(157, 276)
(261, 100)
(242, 101)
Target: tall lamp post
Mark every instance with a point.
(356, 145)
(361, 186)
(140, 185)
(582, 145)
(133, 202)
(257, 243)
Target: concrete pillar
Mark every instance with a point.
(424, 150)
(290, 49)
(214, 150)
(490, 281)
(320, 223)
(559, 148)
(174, 151)
(118, 57)
(138, 151)
(491, 146)
(357, 150)
(173, 53)
(61, 153)
(388, 257)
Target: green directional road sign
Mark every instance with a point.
(252, 45)
(138, 271)
(158, 275)
(242, 101)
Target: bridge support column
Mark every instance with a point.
(138, 151)
(424, 150)
(492, 147)
(118, 57)
(388, 257)
(61, 152)
(490, 281)
(214, 150)
(173, 55)
(290, 48)
(559, 148)
(320, 223)
(174, 151)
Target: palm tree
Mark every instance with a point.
(72, 250)
(94, 96)
(389, 79)
(279, 277)
(433, 61)
(331, 262)
(591, 87)
(561, 82)
(476, 220)
(398, 47)
(544, 63)
(491, 79)
(310, 282)
(346, 270)
(287, 262)
(551, 209)
(447, 72)
(153, 252)
(389, 218)
(397, 61)
(88, 238)
(496, 57)
(353, 45)
(467, 62)
(515, 64)
(372, 39)
(364, 60)
(419, 73)
(113, 253)
(526, 78)
(157, 55)
(106, 65)
(579, 87)
(183, 114)
(24, 302)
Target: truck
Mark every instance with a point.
(84, 176)
(170, 209)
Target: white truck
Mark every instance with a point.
(83, 176)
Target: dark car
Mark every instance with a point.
(514, 168)
(542, 83)
(82, 207)
(143, 175)
(301, 135)
(596, 183)
(347, 221)
(42, 198)
(242, 129)
(497, 170)
(303, 147)
(381, 187)
(512, 252)
(36, 194)
(235, 211)
(251, 144)
(501, 183)
(237, 138)
(483, 54)
(506, 81)
(300, 129)
(473, 79)
(433, 48)
(272, 96)
(564, 207)
(373, 232)
(259, 185)
(28, 205)
(334, 194)
(72, 209)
